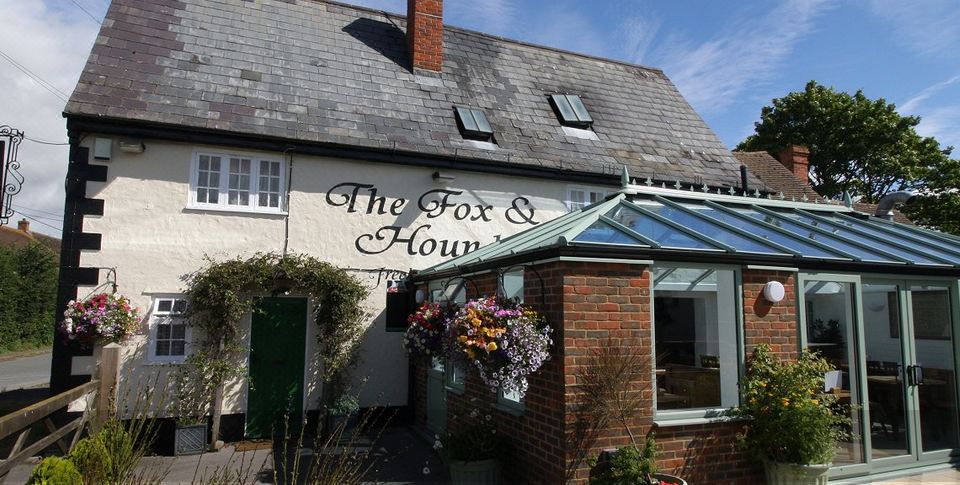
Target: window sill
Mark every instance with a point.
(667, 421)
(454, 389)
(161, 363)
(509, 408)
(235, 210)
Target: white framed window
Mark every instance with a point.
(695, 339)
(169, 333)
(580, 197)
(510, 402)
(455, 377)
(221, 181)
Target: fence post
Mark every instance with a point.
(108, 372)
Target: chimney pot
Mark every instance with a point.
(23, 225)
(425, 34)
(797, 159)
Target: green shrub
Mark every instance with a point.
(629, 465)
(119, 446)
(55, 471)
(91, 459)
(791, 419)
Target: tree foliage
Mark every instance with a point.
(28, 291)
(862, 146)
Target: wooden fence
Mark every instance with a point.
(104, 389)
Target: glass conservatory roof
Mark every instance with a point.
(675, 221)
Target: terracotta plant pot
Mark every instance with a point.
(483, 472)
(793, 474)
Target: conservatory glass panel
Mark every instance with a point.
(663, 234)
(833, 242)
(740, 243)
(599, 232)
(844, 233)
(808, 250)
(695, 338)
(896, 238)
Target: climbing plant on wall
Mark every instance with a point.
(222, 293)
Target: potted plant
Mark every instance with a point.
(502, 340)
(794, 426)
(609, 382)
(100, 319)
(342, 413)
(189, 408)
(472, 451)
(631, 465)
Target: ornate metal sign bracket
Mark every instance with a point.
(10, 178)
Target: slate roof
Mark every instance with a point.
(778, 179)
(330, 73)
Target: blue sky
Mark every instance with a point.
(729, 59)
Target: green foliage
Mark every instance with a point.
(28, 290)
(474, 439)
(344, 405)
(55, 471)
(91, 459)
(792, 420)
(865, 147)
(123, 452)
(222, 293)
(628, 466)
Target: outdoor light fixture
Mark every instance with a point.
(774, 292)
(446, 177)
(132, 146)
(419, 296)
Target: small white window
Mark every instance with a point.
(512, 284)
(456, 377)
(169, 333)
(230, 182)
(580, 197)
(512, 401)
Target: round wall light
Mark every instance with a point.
(774, 292)
(419, 296)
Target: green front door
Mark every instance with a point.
(275, 385)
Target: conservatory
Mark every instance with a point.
(697, 277)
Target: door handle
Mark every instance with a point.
(911, 380)
(918, 374)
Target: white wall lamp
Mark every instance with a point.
(419, 296)
(774, 291)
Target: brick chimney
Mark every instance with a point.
(797, 159)
(425, 34)
(24, 226)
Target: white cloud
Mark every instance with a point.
(913, 103)
(744, 56)
(52, 40)
(929, 27)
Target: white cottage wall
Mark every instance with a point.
(153, 238)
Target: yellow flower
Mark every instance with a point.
(786, 402)
(491, 346)
(463, 339)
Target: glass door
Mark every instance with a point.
(932, 372)
(831, 306)
(886, 351)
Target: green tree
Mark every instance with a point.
(863, 146)
(28, 290)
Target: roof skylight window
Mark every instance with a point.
(473, 124)
(571, 111)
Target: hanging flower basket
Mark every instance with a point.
(502, 340)
(102, 318)
(424, 335)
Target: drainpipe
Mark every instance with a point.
(887, 202)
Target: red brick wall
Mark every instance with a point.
(425, 33)
(774, 324)
(586, 304)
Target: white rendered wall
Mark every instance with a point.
(153, 239)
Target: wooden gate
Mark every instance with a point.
(103, 388)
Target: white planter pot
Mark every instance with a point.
(483, 472)
(670, 478)
(793, 474)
